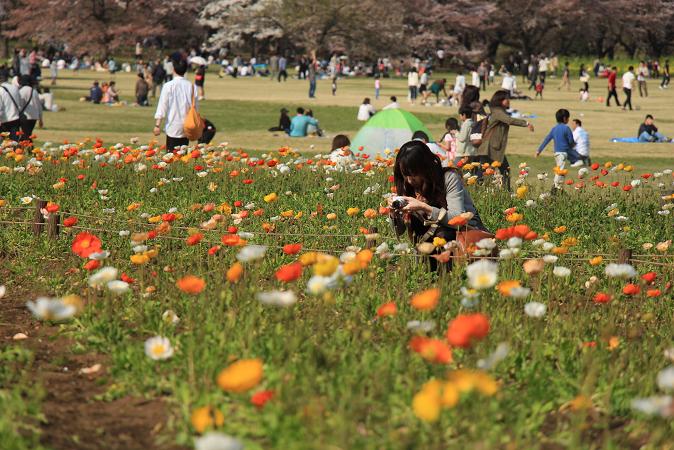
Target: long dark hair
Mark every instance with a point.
(470, 94)
(498, 97)
(416, 159)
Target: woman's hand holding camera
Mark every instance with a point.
(414, 205)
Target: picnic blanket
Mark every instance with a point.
(632, 140)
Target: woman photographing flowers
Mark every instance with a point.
(429, 197)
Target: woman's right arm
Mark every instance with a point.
(501, 116)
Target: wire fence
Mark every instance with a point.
(650, 259)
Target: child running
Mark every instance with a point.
(564, 145)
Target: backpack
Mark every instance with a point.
(477, 131)
(193, 125)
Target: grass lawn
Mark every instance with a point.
(243, 109)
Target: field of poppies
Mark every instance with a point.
(265, 300)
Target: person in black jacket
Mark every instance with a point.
(648, 132)
(283, 122)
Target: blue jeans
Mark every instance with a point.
(655, 137)
(312, 88)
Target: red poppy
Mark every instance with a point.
(601, 297)
(213, 250)
(289, 272)
(127, 278)
(615, 184)
(259, 399)
(652, 293)
(194, 239)
(292, 249)
(387, 309)
(627, 187)
(232, 230)
(467, 328)
(85, 244)
(52, 207)
(69, 221)
(92, 264)
(595, 166)
(649, 277)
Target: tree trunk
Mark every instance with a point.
(5, 48)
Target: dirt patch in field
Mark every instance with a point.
(75, 419)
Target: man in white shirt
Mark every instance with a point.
(174, 102)
(32, 107)
(509, 83)
(394, 103)
(366, 110)
(582, 140)
(628, 82)
(460, 83)
(10, 109)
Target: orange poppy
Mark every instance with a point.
(387, 309)
(191, 284)
(234, 273)
(231, 240)
(426, 300)
(467, 328)
(433, 350)
(85, 244)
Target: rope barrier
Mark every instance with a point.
(530, 253)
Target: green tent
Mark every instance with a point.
(387, 129)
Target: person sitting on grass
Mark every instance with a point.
(393, 105)
(283, 122)
(95, 93)
(428, 196)
(582, 140)
(564, 145)
(648, 132)
(340, 151)
(300, 123)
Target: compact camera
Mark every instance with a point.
(398, 202)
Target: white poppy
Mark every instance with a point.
(99, 256)
(514, 242)
(482, 274)
(158, 347)
(417, 326)
(498, 355)
(535, 309)
(614, 270)
(251, 253)
(561, 271)
(520, 292)
(656, 405)
(117, 287)
(550, 259)
(170, 317)
(547, 246)
(665, 379)
(102, 276)
(277, 298)
(51, 309)
(486, 243)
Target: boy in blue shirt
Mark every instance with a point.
(564, 145)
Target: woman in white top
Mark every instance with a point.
(413, 84)
(365, 111)
(31, 105)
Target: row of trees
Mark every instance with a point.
(469, 29)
